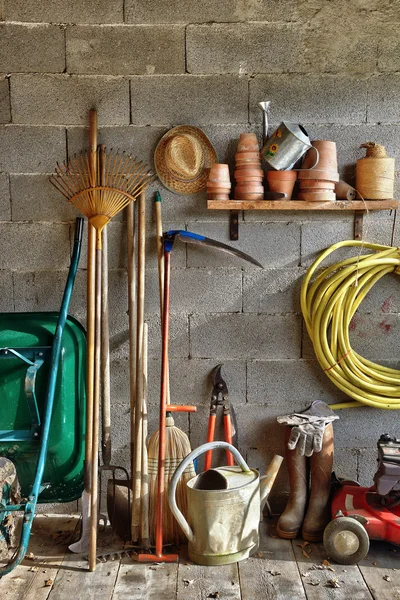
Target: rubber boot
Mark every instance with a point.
(319, 507)
(290, 521)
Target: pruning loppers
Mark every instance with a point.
(220, 397)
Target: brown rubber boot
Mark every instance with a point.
(318, 511)
(292, 517)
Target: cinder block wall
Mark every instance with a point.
(147, 66)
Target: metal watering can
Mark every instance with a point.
(224, 507)
(286, 145)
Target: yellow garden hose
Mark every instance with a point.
(328, 302)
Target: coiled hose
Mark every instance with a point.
(328, 304)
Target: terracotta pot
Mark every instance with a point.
(327, 156)
(248, 143)
(282, 181)
(218, 190)
(244, 196)
(248, 155)
(322, 196)
(252, 187)
(249, 172)
(244, 180)
(312, 184)
(218, 197)
(319, 174)
(219, 173)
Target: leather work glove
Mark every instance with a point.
(308, 427)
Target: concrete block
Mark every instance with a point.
(137, 141)
(345, 463)
(191, 383)
(6, 291)
(5, 106)
(244, 336)
(367, 464)
(375, 336)
(353, 430)
(383, 297)
(178, 339)
(241, 48)
(326, 52)
(198, 289)
(97, 11)
(5, 203)
(168, 100)
(48, 246)
(273, 291)
(258, 427)
(290, 384)
(389, 52)
(274, 245)
(310, 99)
(125, 50)
(32, 99)
(31, 149)
(190, 11)
(316, 237)
(383, 93)
(31, 48)
(35, 199)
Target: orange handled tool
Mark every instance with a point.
(220, 397)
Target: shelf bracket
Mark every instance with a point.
(358, 224)
(234, 225)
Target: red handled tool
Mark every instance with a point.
(220, 397)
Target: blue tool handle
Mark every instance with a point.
(79, 229)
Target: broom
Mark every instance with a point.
(177, 445)
(99, 199)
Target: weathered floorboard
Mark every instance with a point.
(146, 582)
(199, 583)
(316, 581)
(272, 573)
(383, 563)
(49, 539)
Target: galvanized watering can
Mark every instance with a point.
(224, 508)
(286, 145)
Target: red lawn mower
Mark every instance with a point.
(361, 514)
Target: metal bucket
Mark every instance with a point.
(286, 146)
(223, 510)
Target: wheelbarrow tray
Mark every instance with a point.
(32, 334)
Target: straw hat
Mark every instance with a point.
(183, 158)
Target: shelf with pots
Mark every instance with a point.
(319, 184)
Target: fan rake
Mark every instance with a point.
(101, 194)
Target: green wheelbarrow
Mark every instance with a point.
(42, 414)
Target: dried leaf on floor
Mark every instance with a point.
(34, 569)
(374, 563)
(304, 553)
(187, 582)
(213, 595)
(30, 556)
(274, 573)
(48, 582)
(333, 583)
(259, 554)
(305, 574)
(313, 582)
(386, 578)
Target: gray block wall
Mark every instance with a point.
(147, 66)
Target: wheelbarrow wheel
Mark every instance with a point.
(346, 540)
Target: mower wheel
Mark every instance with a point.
(346, 540)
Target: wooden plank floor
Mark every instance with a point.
(280, 570)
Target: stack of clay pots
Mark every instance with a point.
(248, 173)
(219, 182)
(318, 185)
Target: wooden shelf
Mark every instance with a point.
(301, 205)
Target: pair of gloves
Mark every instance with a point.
(308, 427)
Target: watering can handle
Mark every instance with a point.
(316, 161)
(180, 469)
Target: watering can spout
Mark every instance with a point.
(267, 480)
